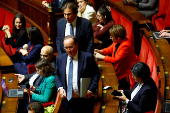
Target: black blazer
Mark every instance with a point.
(84, 34)
(145, 100)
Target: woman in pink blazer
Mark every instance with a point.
(122, 56)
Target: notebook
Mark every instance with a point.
(11, 92)
(84, 85)
(156, 35)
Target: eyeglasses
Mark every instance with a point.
(68, 48)
(43, 55)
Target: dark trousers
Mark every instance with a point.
(79, 105)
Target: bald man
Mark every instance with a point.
(35, 79)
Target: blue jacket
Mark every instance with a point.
(84, 34)
(145, 100)
(20, 66)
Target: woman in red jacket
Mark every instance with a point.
(123, 56)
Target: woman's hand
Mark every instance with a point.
(164, 34)
(32, 88)
(23, 52)
(123, 97)
(98, 51)
(31, 92)
(25, 46)
(98, 55)
(6, 29)
(162, 31)
(45, 4)
(101, 27)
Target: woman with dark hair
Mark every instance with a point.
(29, 53)
(123, 56)
(143, 96)
(47, 89)
(19, 35)
(101, 29)
(86, 10)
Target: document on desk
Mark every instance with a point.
(156, 35)
(84, 85)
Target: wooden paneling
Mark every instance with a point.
(25, 9)
(13, 3)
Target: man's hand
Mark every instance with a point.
(21, 78)
(62, 93)
(88, 94)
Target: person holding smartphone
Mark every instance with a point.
(143, 96)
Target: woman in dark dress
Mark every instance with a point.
(19, 35)
(101, 29)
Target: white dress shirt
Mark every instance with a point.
(75, 93)
(67, 29)
(32, 79)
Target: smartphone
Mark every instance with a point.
(116, 93)
(11, 80)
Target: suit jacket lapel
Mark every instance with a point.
(80, 65)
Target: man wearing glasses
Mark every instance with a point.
(34, 79)
(71, 67)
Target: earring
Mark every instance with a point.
(105, 16)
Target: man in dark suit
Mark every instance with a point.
(84, 66)
(82, 29)
(35, 79)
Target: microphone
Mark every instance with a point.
(28, 91)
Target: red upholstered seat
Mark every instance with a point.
(119, 19)
(147, 56)
(163, 7)
(162, 19)
(6, 18)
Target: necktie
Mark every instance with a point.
(71, 30)
(70, 77)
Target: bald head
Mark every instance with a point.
(47, 52)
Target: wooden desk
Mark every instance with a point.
(11, 103)
(5, 61)
(108, 75)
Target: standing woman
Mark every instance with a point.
(29, 53)
(101, 29)
(86, 10)
(122, 56)
(19, 35)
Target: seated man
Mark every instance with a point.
(34, 79)
(148, 8)
(36, 108)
